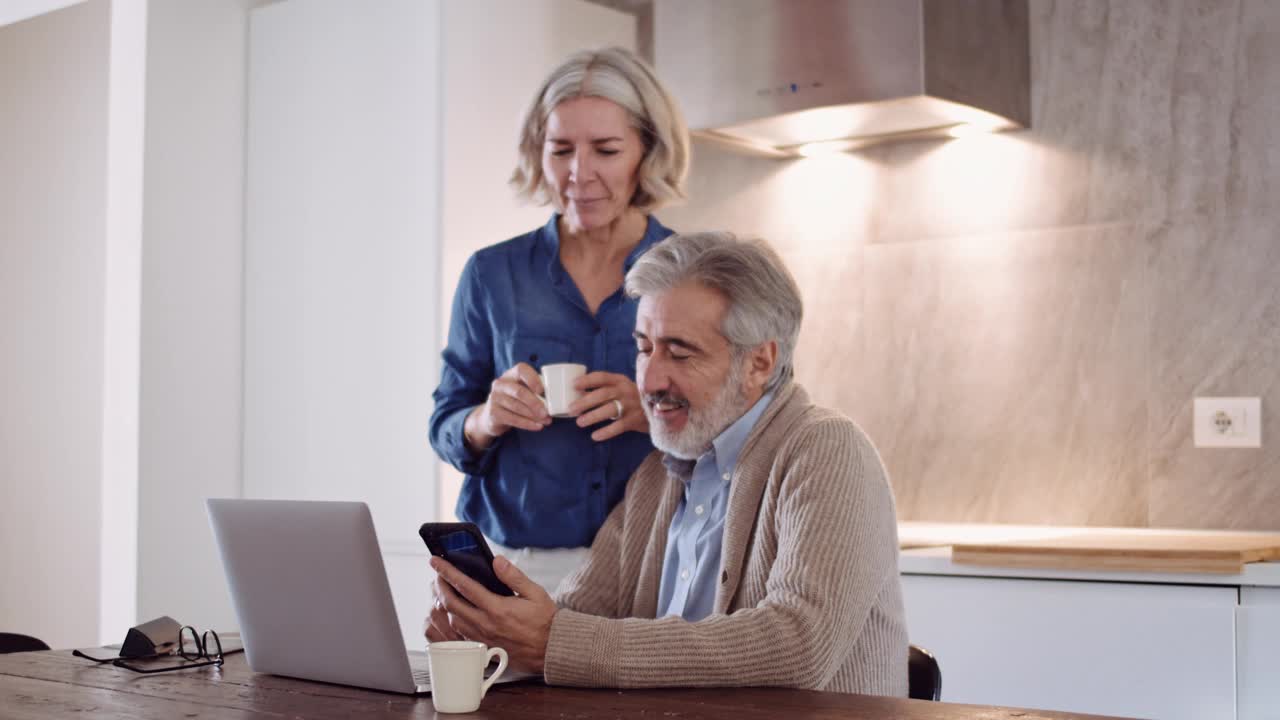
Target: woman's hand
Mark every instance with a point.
(609, 397)
(514, 402)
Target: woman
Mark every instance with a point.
(604, 144)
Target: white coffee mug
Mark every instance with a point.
(457, 674)
(557, 385)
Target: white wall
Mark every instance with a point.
(114, 498)
(53, 174)
(341, 254)
(12, 11)
(491, 71)
(124, 297)
(191, 302)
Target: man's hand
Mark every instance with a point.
(465, 609)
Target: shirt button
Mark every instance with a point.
(698, 510)
(725, 476)
(595, 486)
(684, 574)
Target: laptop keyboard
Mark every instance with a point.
(421, 669)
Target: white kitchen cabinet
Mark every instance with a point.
(1258, 653)
(1115, 648)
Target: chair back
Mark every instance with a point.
(13, 642)
(924, 677)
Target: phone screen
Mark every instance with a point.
(464, 550)
(461, 549)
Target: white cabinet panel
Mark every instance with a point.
(341, 256)
(1164, 651)
(1258, 653)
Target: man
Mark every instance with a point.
(758, 547)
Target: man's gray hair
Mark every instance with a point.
(764, 301)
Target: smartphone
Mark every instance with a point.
(465, 548)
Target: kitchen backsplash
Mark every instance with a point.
(1021, 321)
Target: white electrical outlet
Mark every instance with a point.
(1228, 422)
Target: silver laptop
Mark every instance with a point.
(311, 593)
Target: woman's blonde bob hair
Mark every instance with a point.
(618, 75)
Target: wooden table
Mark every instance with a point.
(54, 684)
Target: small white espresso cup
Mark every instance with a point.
(557, 382)
(457, 674)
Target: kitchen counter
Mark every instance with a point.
(1194, 644)
(926, 551)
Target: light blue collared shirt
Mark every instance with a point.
(692, 560)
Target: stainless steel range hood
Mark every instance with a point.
(787, 77)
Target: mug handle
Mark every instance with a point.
(502, 665)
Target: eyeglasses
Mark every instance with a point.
(194, 648)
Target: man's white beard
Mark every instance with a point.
(703, 426)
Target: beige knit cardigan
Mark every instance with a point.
(809, 594)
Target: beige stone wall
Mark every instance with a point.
(1021, 321)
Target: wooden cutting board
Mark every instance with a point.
(1153, 551)
(917, 534)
